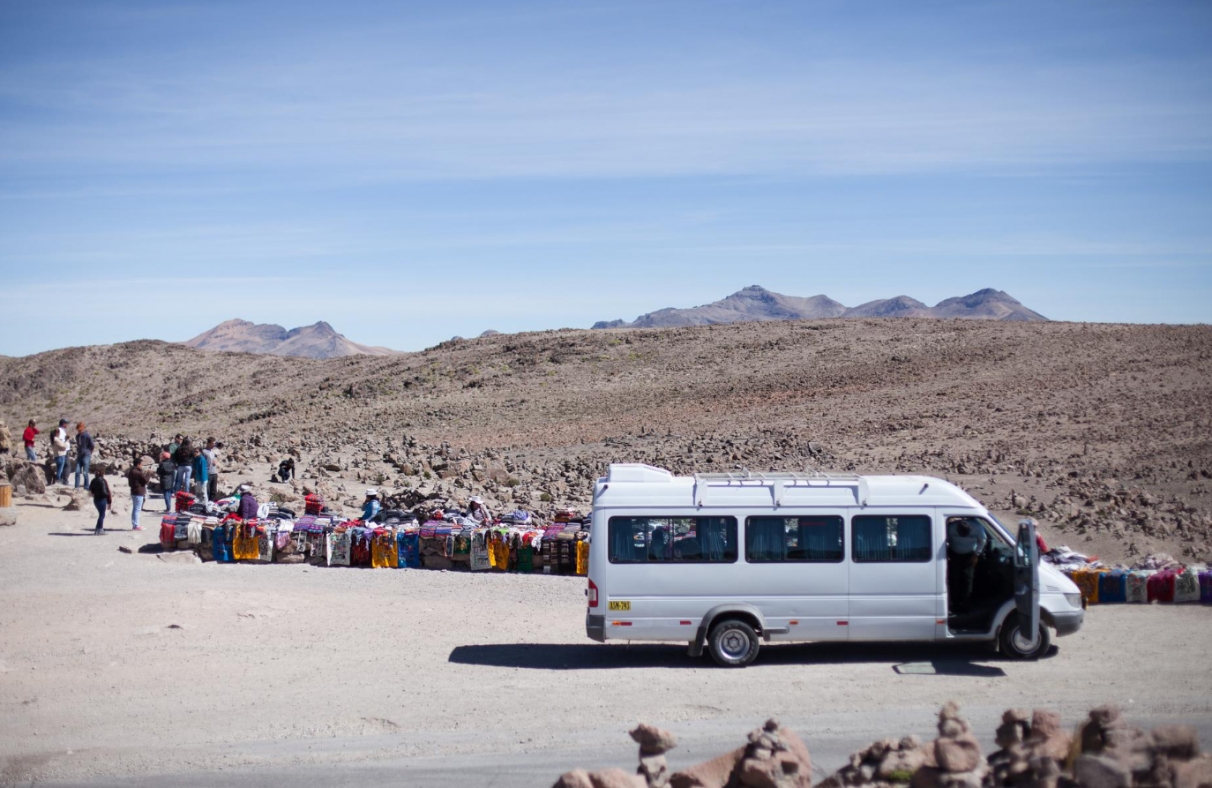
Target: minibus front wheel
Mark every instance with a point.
(1016, 645)
(733, 643)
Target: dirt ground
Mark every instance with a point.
(117, 665)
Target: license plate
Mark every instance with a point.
(620, 606)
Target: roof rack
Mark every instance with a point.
(779, 481)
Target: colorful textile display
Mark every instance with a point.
(1186, 587)
(409, 550)
(479, 557)
(221, 542)
(384, 551)
(1113, 587)
(1161, 586)
(338, 548)
(1205, 586)
(1087, 582)
(244, 542)
(1137, 591)
(582, 558)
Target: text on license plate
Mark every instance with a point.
(620, 605)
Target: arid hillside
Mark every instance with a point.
(1102, 431)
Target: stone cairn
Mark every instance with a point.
(885, 764)
(1034, 752)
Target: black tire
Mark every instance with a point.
(733, 643)
(1011, 640)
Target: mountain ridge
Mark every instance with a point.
(317, 341)
(756, 303)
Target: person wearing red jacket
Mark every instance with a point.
(31, 432)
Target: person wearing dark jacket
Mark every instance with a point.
(184, 458)
(167, 471)
(137, 478)
(84, 453)
(103, 498)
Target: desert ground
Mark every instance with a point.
(122, 668)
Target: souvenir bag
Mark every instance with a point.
(526, 557)
(359, 546)
(338, 548)
(1113, 587)
(205, 547)
(479, 551)
(193, 532)
(181, 526)
(1186, 587)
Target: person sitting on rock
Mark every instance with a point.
(371, 506)
(476, 510)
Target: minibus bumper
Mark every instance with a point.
(1068, 623)
(595, 627)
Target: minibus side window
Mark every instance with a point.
(793, 539)
(897, 538)
(672, 540)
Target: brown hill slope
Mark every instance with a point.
(1092, 420)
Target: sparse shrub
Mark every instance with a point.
(512, 482)
(545, 497)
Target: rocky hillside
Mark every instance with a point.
(1104, 432)
(315, 341)
(755, 303)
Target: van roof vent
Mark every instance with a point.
(779, 481)
(637, 472)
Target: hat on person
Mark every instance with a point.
(477, 499)
(245, 488)
(371, 492)
(164, 455)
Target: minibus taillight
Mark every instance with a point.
(593, 594)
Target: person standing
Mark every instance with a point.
(212, 480)
(103, 498)
(184, 458)
(167, 470)
(966, 541)
(60, 445)
(31, 432)
(201, 474)
(137, 478)
(174, 445)
(84, 453)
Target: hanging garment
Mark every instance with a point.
(408, 545)
(384, 552)
(525, 558)
(478, 558)
(221, 543)
(265, 545)
(337, 548)
(582, 558)
(359, 546)
(194, 532)
(1186, 587)
(244, 543)
(1136, 591)
(1113, 587)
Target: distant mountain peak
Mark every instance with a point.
(319, 340)
(756, 303)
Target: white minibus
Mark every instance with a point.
(727, 561)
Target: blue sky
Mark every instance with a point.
(409, 172)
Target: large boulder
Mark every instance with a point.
(26, 474)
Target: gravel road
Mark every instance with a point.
(125, 669)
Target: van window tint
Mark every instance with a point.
(802, 539)
(886, 539)
(672, 540)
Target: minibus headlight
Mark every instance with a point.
(1074, 600)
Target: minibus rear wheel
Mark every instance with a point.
(1014, 641)
(733, 643)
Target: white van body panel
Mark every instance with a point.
(788, 601)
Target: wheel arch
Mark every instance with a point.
(738, 610)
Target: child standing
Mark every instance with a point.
(102, 497)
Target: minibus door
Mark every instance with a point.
(1026, 580)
